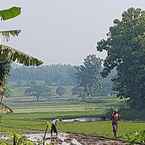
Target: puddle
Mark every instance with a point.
(85, 119)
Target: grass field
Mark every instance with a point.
(102, 128)
(37, 122)
(27, 104)
(30, 115)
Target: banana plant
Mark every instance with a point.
(9, 54)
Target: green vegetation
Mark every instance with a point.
(102, 128)
(30, 122)
(47, 74)
(57, 95)
(23, 104)
(32, 116)
(136, 137)
(9, 54)
(88, 75)
(52, 75)
(125, 46)
(16, 139)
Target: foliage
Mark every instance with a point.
(8, 34)
(53, 75)
(37, 91)
(17, 139)
(125, 46)
(56, 75)
(132, 114)
(107, 85)
(136, 137)
(10, 13)
(8, 54)
(78, 91)
(88, 75)
(27, 122)
(21, 140)
(5, 68)
(60, 91)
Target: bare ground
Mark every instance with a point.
(72, 139)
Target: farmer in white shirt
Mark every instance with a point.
(53, 127)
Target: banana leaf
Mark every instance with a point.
(10, 13)
(11, 54)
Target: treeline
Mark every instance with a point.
(51, 74)
(55, 75)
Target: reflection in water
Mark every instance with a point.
(85, 119)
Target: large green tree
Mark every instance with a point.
(88, 75)
(125, 46)
(9, 54)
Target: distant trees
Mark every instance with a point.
(62, 75)
(79, 91)
(56, 75)
(38, 91)
(125, 46)
(88, 75)
(60, 91)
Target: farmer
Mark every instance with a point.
(115, 118)
(53, 127)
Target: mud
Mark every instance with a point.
(75, 139)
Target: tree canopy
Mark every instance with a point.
(125, 46)
(55, 74)
(88, 75)
(38, 91)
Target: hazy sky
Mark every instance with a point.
(64, 31)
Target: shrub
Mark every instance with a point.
(136, 137)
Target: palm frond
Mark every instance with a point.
(11, 54)
(4, 72)
(10, 13)
(8, 34)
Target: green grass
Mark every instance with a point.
(32, 116)
(34, 121)
(27, 104)
(37, 122)
(102, 128)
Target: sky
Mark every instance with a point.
(64, 31)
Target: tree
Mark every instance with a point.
(55, 74)
(60, 91)
(38, 91)
(9, 54)
(78, 91)
(88, 75)
(125, 46)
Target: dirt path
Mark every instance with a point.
(74, 139)
(92, 140)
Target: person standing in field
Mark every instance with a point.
(54, 127)
(115, 118)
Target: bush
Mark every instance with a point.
(17, 139)
(136, 137)
(60, 91)
(132, 114)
